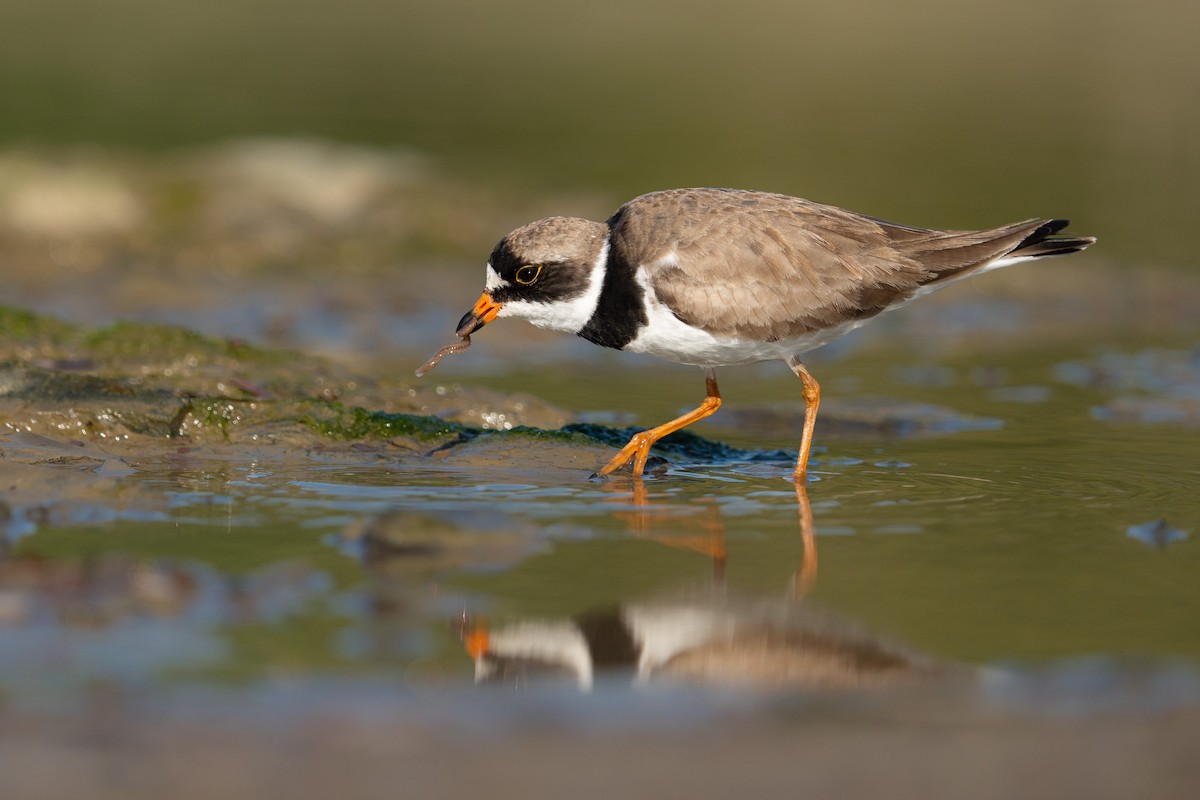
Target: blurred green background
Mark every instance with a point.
(934, 112)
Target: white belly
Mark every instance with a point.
(666, 337)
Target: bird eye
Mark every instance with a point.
(528, 273)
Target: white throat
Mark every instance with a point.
(569, 316)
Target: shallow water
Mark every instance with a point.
(995, 532)
(989, 584)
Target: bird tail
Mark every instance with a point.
(1042, 241)
(955, 254)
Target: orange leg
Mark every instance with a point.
(806, 574)
(639, 446)
(811, 392)
(704, 534)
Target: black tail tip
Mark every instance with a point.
(1043, 242)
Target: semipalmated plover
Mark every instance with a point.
(714, 277)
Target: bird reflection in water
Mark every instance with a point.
(704, 637)
(706, 534)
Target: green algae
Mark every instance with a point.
(22, 325)
(186, 386)
(349, 424)
(566, 434)
(124, 340)
(359, 423)
(148, 340)
(165, 381)
(683, 445)
(56, 386)
(206, 413)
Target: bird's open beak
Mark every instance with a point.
(485, 311)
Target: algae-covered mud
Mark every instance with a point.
(238, 531)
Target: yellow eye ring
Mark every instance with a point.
(528, 274)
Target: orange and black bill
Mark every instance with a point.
(484, 312)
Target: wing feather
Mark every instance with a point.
(764, 266)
